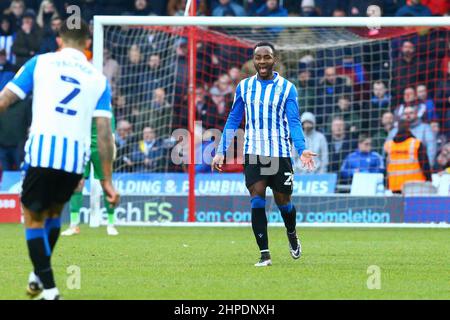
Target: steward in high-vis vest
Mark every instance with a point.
(406, 159)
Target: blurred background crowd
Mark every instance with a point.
(350, 105)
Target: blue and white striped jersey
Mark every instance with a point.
(67, 93)
(271, 117)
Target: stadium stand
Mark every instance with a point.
(345, 98)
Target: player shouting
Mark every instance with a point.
(271, 120)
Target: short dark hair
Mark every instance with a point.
(379, 82)
(363, 137)
(75, 34)
(345, 97)
(265, 44)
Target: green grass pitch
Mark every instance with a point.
(217, 263)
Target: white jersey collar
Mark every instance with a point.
(77, 54)
(273, 80)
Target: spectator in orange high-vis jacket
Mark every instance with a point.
(406, 159)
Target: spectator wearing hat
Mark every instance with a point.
(316, 142)
(28, 41)
(309, 9)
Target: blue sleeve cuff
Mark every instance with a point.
(23, 82)
(104, 103)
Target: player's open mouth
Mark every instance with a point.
(263, 69)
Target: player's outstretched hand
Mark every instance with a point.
(217, 162)
(307, 159)
(112, 196)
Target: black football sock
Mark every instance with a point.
(40, 252)
(52, 229)
(289, 215)
(259, 224)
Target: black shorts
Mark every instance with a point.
(277, 171)
(44, 187)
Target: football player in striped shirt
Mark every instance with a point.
(272, 120)
(68, 93)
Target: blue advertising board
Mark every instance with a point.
(177, 184)
(310, 209)
(427, 209)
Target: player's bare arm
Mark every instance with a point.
(217, 162)
(106, 150)
(7, 98)
(307, 159)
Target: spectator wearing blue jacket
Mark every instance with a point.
(272, 9)
(362, 160)
(228, 8)
(414, 9)
(422, 97)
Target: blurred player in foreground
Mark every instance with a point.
(68, 92)
(76, 201)
(272, 119)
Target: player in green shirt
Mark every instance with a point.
(76, 201)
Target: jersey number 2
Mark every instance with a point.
(62, 106)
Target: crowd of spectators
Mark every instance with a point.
(351, 107)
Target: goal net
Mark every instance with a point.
(358, 86)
